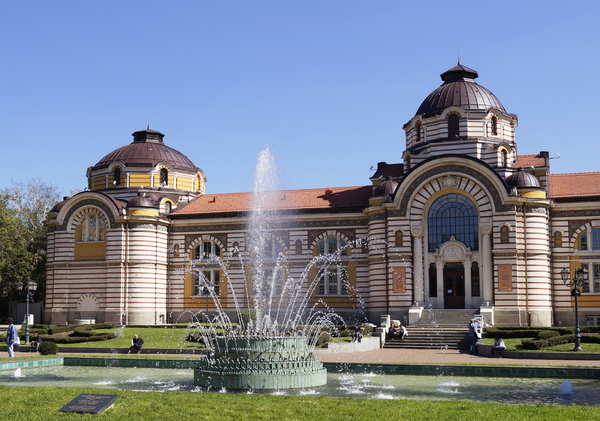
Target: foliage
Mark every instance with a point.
(23, 235)
(246, 316)
(48, 348)
(547, 334)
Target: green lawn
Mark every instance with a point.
(514, 344)
(163, 338)
(31, 404)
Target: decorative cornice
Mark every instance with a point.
(575, 213)
(287, 225)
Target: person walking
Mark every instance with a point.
(12, 338)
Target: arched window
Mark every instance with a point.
(117, 176)
(176, 250)
(271, 249)
(504, 158)
(298, 247)
(92, 228)
(453, 214)
(583, 243)
(207, 250)
(332, 245)
(398, 238)
(494, 125)
(236, 249)
(453, 126)
(418, 132)
(164, 176)
(504, 235)
(407, 163)
(168, 207)
(557, 239)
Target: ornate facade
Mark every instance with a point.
(463, 222)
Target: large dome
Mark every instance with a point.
(459, 89)
(147, 150)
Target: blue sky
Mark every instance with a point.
(327, 85)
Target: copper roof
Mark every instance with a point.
(386, 188)
(147, 150)
(522, 179)
(574, 185)
(339, 198)
(459, 89)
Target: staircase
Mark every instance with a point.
(438, 329)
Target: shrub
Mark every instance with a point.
(547, 334)
(53, 329)
(48, 348)
(533, 345)
(591, 339)
(323, 339)
(246, 316)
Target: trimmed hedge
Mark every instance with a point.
(547, 334)
(48, 348)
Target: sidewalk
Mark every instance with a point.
(403, 356)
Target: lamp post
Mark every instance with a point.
(30, 288)
(581, 276)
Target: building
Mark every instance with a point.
(463, 222)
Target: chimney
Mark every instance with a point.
(328, 192)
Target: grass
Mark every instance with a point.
(163, 338)
(31, 404)
(514, 344)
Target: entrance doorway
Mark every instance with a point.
(454, 285)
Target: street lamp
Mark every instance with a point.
(30, 288)
(581, 276)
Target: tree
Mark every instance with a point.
(23, 234)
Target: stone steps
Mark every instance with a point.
(438, 329)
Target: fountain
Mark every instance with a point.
(270, 348)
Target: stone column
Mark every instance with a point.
(468, 286)
(487, 275)
(440, 283)
(417, 233)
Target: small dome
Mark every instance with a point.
(60, 204)
(459, 89)
(522, 179)
(147, 150)
(140, 201)
(386, 188)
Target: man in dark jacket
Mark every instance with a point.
(136, 344)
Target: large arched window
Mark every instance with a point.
(494, 125)
(453, 126)
(453, 214)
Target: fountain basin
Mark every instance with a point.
(260, 364)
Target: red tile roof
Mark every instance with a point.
(574, 185)
(526, 161)
(342, 198)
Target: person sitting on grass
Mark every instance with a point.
(498, 345)
(36, 341)
(136, 344)
(357, 333)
